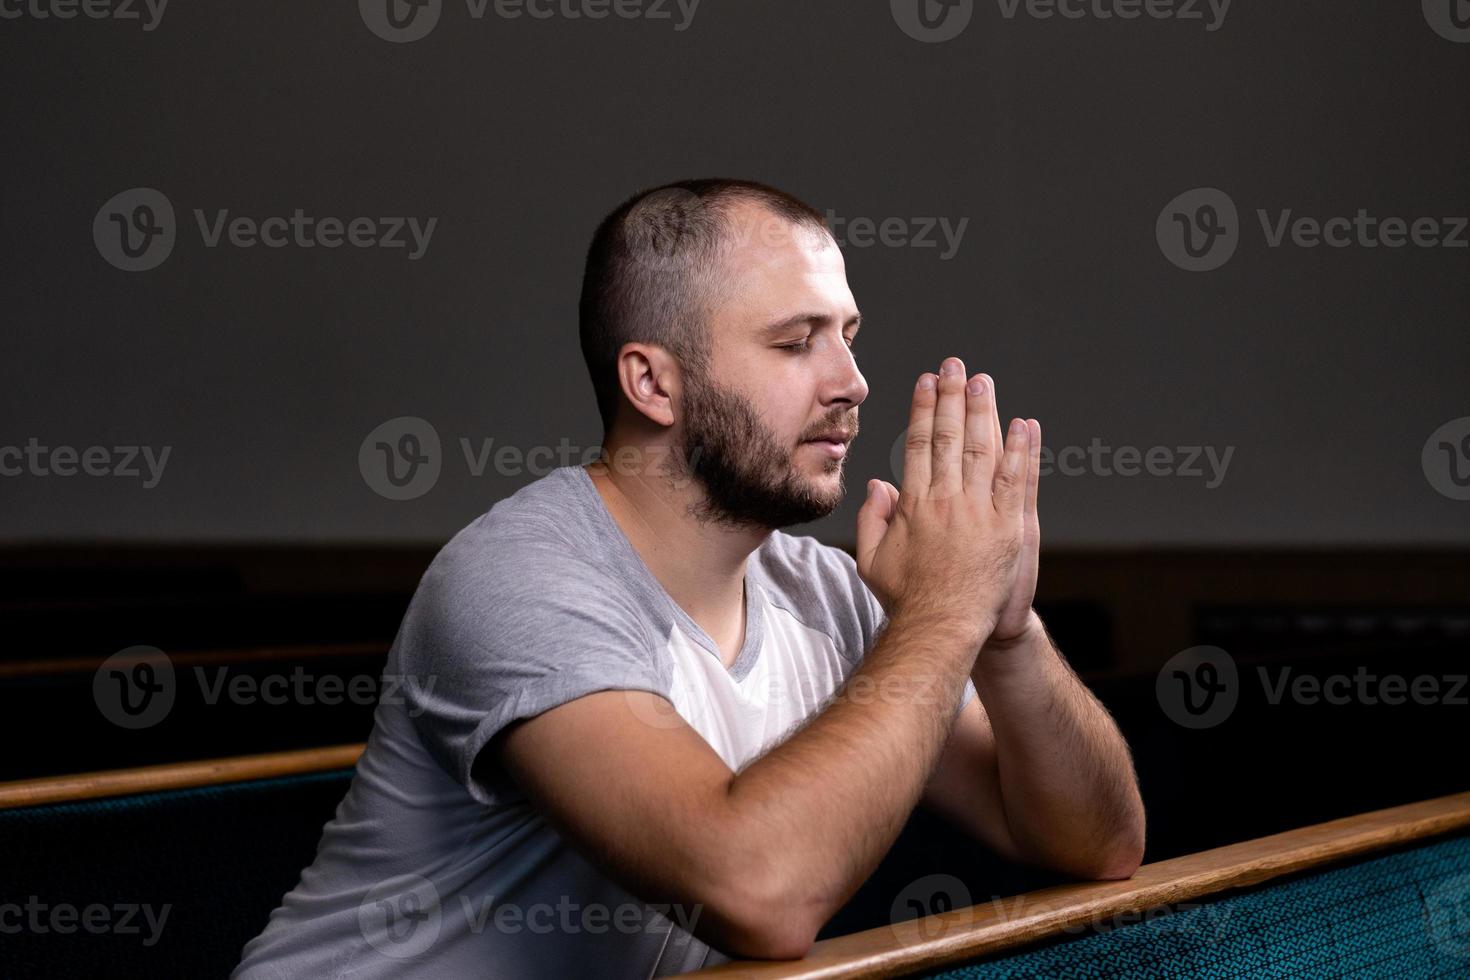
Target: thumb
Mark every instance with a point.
(872, 521)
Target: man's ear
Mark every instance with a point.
(649, 378)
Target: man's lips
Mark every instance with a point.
(836, 448)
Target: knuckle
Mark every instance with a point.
(943, 438)
(976, 451)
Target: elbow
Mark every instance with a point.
(1120, 859)
(1118, 868)
(770, 937)
(765, 918)
(1120, 854)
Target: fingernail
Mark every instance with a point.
(976, 386)
(927, 382)
(949, 367)
(1017, 427)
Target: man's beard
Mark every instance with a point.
(748, 478)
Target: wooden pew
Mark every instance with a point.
(948, 939)
(210, 846)
(174, 776)
(962, 935)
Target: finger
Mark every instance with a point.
(917, 450)
(995, 427)
(947, 477)
(1009, 491)
(886, 490)
(1033, 474)
(872, 521)
(982, 435)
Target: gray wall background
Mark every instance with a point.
(1060, 141)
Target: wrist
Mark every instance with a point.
(1024, 637)
(1023, 657)
(962, 632)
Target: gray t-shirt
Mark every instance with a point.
(435, 867)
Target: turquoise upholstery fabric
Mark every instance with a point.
(1406, 914)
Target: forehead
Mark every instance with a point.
(771, 265)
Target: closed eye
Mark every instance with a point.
(804, 345)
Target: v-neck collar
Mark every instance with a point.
(754, 601)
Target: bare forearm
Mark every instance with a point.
(1070, 795)
(832, 798)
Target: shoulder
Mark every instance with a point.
(523, 569)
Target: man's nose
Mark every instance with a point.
(847, 382)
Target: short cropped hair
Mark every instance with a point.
(652, 274)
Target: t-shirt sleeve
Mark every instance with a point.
(870, 612)
(496, 639)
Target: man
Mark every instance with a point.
(650, 731)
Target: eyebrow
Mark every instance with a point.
(815, 319)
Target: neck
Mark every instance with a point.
(700, 564)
